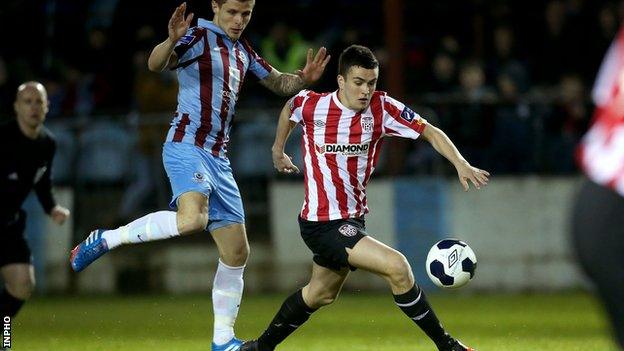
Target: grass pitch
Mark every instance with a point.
(355, 322)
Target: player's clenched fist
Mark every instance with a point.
(283, 163)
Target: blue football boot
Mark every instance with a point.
(232, 345)
(88, 251)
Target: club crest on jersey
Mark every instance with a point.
(343, 149)
(347, 230)
(199, 177)
(408, 115)
(367, 123)
(241, 56)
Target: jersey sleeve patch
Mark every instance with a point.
(408, 115)
(187, 39)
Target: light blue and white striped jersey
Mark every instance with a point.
(211, 70)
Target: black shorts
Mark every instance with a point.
(13, 247)
(329, 240)
(597, 237)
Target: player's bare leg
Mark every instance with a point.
(323, 289)
(192, 214)
(324, 286)
(376, 257)
(232, 243)
(19, 280)
(191, 217)
(227, 289)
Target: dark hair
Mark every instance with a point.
(221, 2)
(356, 55)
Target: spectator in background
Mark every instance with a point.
(606, 29)
(443, 77)
(551, 50)
(443, 82)
(512, 139)
(505, 59)
(565, 124)
(285, 48)
(472, 117)
(558, 50)
(98, 70)
(69, 91)
(450, 44)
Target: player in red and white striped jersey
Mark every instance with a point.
(342, 137)
(341, 147)
(598, 216)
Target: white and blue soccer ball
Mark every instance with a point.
(451, 263)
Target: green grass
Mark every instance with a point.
(355, 322)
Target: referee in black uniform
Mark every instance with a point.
(26, 149)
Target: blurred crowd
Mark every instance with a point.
(509, 81)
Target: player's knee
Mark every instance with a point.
(237, 256)
(21, 288)
(189, 223)
(399, 271)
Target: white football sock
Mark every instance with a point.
(154, 226)
(227, 291)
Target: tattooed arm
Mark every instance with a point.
(287, 84)
(284, 84)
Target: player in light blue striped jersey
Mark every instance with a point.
(211, 61)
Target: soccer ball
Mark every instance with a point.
(451, 263)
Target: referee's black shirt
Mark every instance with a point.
(24, 164)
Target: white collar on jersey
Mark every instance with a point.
(201, 22)
(344, 108)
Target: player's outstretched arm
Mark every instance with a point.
(282, 162)
(162, 55)
(286, 84)
(443, 145)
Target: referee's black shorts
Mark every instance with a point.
(329, 240)
(13, 246)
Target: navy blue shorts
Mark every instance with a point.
(329, 240)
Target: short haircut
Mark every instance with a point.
(221, 2)
(356, 55)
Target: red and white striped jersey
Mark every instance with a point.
(601, 152)
(341, 147)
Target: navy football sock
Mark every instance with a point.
(415, 305)
(293, 313)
